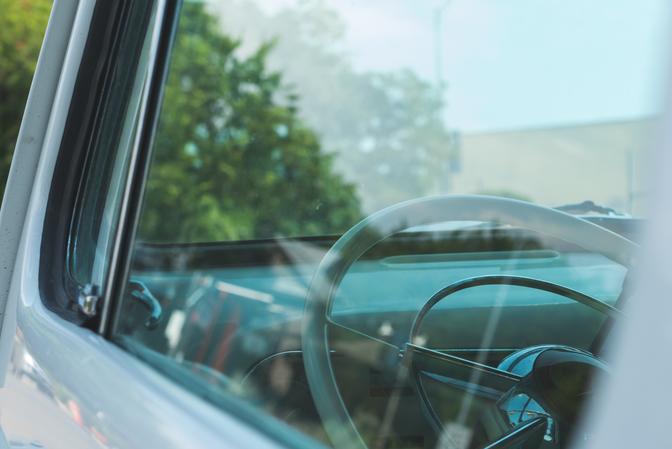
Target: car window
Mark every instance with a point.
(99, 201)
(396, 224)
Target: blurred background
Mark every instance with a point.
(552, 111)
(22, 27)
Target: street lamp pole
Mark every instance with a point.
(438, 41)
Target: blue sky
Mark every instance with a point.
(521, 63)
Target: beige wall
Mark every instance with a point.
(560, 165)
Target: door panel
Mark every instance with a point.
(69, 388)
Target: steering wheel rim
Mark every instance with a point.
(483, 280)
(418, 212)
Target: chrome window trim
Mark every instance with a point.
(153, 79)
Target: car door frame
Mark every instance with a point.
(88, 390)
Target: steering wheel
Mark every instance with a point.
(424, 211)
(555, 377)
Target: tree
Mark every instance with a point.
(22, 25)
(385, 129)
(232, 159)
(241, 153)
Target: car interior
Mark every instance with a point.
(503, 298)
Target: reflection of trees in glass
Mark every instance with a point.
(278, 129)
(232, 159)
(386, 129)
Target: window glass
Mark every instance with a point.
(93, 229)
(402, 223)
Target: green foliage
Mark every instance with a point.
(387, 128)
(241, 153)
(232, 159)
(22, 25)
(264, 159)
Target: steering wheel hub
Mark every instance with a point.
(556, 381)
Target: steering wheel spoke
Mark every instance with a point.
(458, 372)
(528, 435)
(361, 347)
